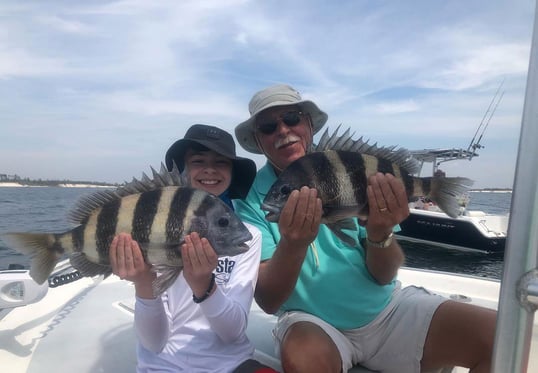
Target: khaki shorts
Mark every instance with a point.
(393, 342)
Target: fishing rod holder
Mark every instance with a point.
(527, 290)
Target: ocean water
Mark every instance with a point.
(45, 209)
(35, 209)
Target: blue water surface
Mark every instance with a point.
(45, 209)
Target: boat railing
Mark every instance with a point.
(519, 287)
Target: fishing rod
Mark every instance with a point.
(473, 146)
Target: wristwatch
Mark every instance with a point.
(381, 244)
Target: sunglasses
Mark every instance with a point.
(290, 119)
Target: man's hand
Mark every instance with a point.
(388, 205)
(300, 217)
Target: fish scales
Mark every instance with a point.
(386, 166)
(356, 179)
(107, 220)
(77, 237)
(90, 237)
(156, 214)
(341, 178)
(177, 215)
(145, 211)
(318, 170)
(169, 216)
(422, 186)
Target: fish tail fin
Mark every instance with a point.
(446, 191)
(43, 250)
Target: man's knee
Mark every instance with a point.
(307, 348)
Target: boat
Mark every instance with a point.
(471, 230)
(83, 324)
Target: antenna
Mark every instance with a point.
(485, 122)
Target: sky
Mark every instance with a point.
(98, 90)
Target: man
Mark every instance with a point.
(340, 305)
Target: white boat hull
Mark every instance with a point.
(87, 325)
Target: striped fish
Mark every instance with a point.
(157, 212)
(339, 167)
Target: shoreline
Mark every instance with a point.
(11, 184)
(63, 185)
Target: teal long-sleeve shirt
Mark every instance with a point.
(334, 283)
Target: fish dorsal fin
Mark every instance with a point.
(160, 179)
(87, 204)
(400, 156)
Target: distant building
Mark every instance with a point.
(6, 177)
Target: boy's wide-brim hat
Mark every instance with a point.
(276, 95)
(220, 141)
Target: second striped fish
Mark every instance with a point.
(339, 167)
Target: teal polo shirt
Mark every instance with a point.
(334, 283)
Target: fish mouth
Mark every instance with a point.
(273, 212)
(239, 248)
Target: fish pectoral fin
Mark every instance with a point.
(87, 268)
(165, 253)
(166, 275)
(338, 213)
(337, 229)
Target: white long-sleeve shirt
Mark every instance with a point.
(177, 335)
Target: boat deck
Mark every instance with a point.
(87, 325)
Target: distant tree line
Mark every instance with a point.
(492, 190)
(41, 182)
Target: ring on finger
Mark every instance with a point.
(383, 209)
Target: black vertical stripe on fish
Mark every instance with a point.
(106, 228)
(77, 235)
(144, 215)
(426, 185)
(176, 215)
(201, 210)
(409, 183)
(356, 169)
(57, 245)
(385, 166)
(324, 174)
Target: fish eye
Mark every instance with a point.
(223, 222)
(285, 189)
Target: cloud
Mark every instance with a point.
(110, 84)
(397, 107)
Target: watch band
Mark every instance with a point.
(381, 244)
